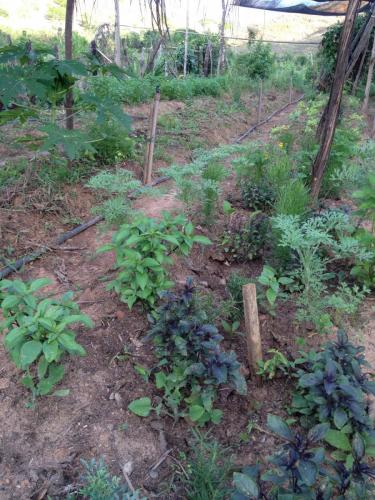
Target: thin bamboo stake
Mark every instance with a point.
(254, 344)
(147, 174)
(260, 99)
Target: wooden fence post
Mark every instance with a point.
(290, 89)
(260, 99)
(147, 173)
(254, 344)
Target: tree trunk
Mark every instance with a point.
(152, 56)
(186, 39)
(221, 59)
(117, 34)
(369, 77)
(126, 53)
(328, 126)
(207, 59)
(69, 120)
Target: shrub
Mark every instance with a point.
(364, 268)
(143, 248)
(257, 62)
(38, 333)
(263, 175)
(112, 143)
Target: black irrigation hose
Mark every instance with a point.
(18, 264)
(262, 122)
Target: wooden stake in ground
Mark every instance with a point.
(369, 77)
(327, 127)
(254, 344)
(147, 173)
(290, 89)
(260, 101)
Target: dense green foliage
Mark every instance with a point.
(143, 249)
(257, 62)
(329, 46)
(37, 332)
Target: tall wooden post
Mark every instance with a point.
(147, 173)
(330, 115)
(69, 120)
(260, 101)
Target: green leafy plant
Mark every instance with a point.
(265, 175)
(273, 283)
(230, 328)
(99, 484)
(42, 82)
(364, 268)
(257, 62)
(143, 249)
(37, 332)
(292, 198)
(277, 363)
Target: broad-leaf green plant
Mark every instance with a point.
(38, 332)
(143, 250)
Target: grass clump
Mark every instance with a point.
(208, 470)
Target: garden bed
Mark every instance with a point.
(41, 448)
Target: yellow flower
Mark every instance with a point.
(281, 145)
